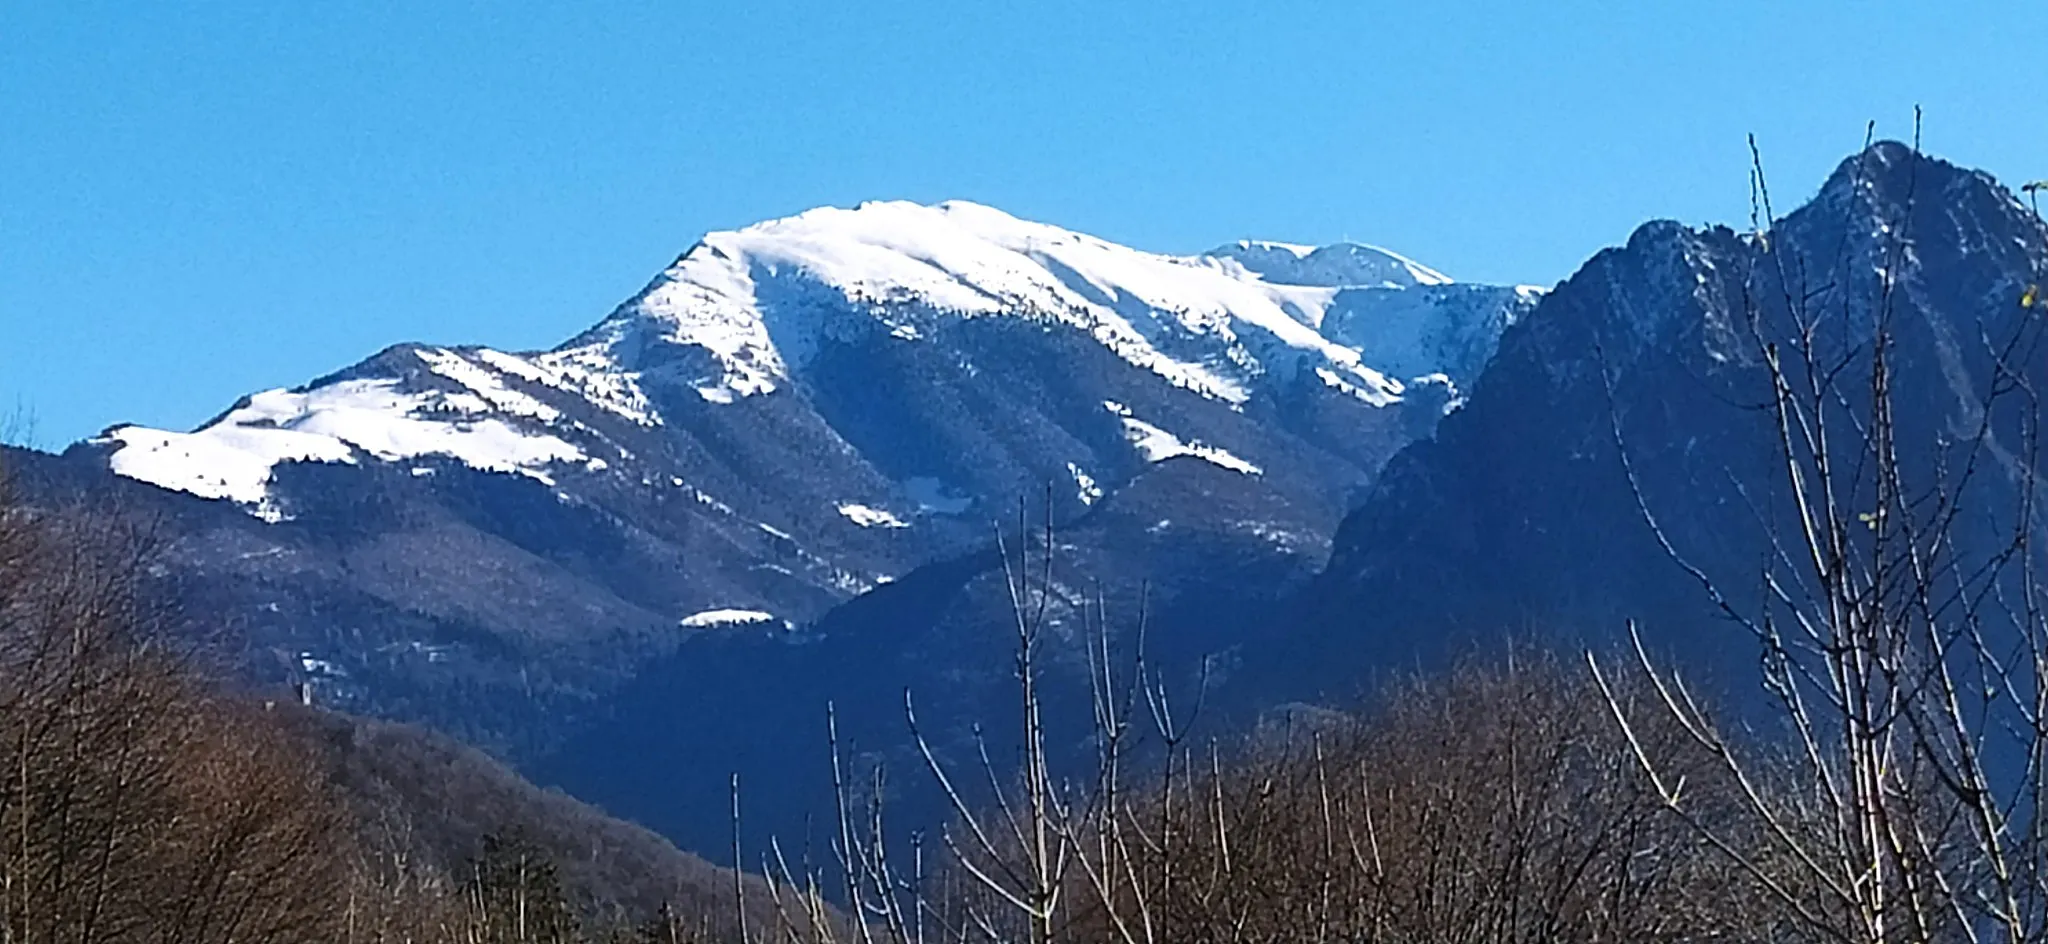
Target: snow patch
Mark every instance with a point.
(588, 372)
(706, 500)
(869, 517)
(935, 497)
(1158, 445)
(726, 617)
(1347, 264)
(233, 458)
(1084, 484)
(1276, 535)
(486, 385)
(1297, 250)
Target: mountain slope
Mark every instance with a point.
(1178, 565)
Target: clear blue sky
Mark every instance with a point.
(198, 200)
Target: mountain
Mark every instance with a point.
(1517, 517)
(787, 417)
(1520, 517)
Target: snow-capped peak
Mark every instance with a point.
(1340, 265)
(760, 300)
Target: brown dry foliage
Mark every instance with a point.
(1495, 803)
(141, 802)
(1498, 802)
(135, 804)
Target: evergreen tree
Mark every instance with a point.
(516, 895)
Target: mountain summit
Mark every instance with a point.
(761, 300)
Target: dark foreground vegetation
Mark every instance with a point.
(141, 801)
(1522, 797)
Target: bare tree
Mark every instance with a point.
(1491, 803)
(1901, 615)
(1497, 803)
(136, 804)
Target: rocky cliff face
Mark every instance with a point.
(1520, 515)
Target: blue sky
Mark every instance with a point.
(198, 200)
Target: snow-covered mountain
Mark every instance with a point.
(745, 313)
(791, 414)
